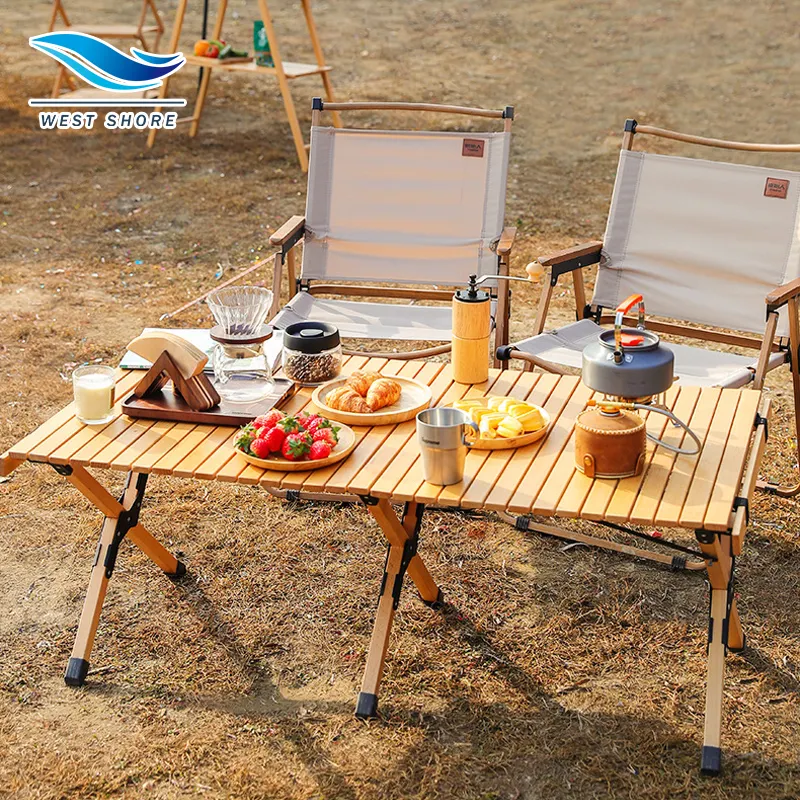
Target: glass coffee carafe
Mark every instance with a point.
(242, 372)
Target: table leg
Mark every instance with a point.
(200, 102)
(121, 519)
(401, 557)
(367, 705)
(711, 761)
(724, 633)
(78, 665)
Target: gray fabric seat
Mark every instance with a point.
(695, 366)
(362, 320)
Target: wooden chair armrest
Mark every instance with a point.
(506, 241)
(291, 229)
(508, 351)
(781, 295)
(576, 253)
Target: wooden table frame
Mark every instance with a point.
(709, 495)
(284, 71)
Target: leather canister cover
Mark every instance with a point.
(609, 445)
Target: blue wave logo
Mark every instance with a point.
(103, 65)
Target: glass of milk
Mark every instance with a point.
(94, 393)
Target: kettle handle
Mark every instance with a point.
(622, 309)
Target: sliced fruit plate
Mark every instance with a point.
(293, 443)
(505, 422)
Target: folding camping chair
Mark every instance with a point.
(412, 208)
(705, 242)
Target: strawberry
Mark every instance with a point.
(274, 437)
(320, 449)
(269, 419)
(245, 437)
(304, 419)
(260, 448)
(288, 424)
(295, 446)
(325, 435)
(321, 422)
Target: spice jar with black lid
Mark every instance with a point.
(312, 352)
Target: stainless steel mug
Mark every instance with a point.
(441, 435)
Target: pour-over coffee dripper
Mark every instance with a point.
(240, 310)
(241, 369)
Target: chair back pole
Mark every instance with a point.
(505, 114)
(632, 127)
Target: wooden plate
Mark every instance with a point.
(345, 445)
(517, 441)
(414, 397)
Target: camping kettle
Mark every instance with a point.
(628, 363)
(630, 367)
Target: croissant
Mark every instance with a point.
(361, 381)
(344, 398)
(383, 392)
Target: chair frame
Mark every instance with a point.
(292, 232)
(574, 259)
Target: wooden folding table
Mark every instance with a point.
(707, 494)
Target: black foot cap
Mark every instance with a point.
(711, 763)
(179, 572)
(437, 604)
(77, 670)
(367, 706)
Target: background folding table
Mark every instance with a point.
(707, 494)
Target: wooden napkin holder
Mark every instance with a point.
(197, 391)
(192, 397)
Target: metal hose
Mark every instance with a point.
(678, 424)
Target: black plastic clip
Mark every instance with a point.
(765, 422)
(678, 563)
(62, 469)
(128, 518)
(704, 536)
(740, 502)
(730, 596)
(293, 495)
(420, 510)
(504, 352)
(368, 500)
(409, 551)
(522, 523)
(710, 618)
(729, 602)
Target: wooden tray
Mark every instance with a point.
(345, 445)
(165, 404)
(517, 441)
(204, 61)
(414, 398)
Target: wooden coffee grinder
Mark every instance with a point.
(472, 326)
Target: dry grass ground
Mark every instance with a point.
(553, 672)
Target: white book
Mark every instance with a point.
(201, 338)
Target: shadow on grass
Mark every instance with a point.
(536, 747)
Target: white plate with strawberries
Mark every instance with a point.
(504, 422)
(293, 443)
